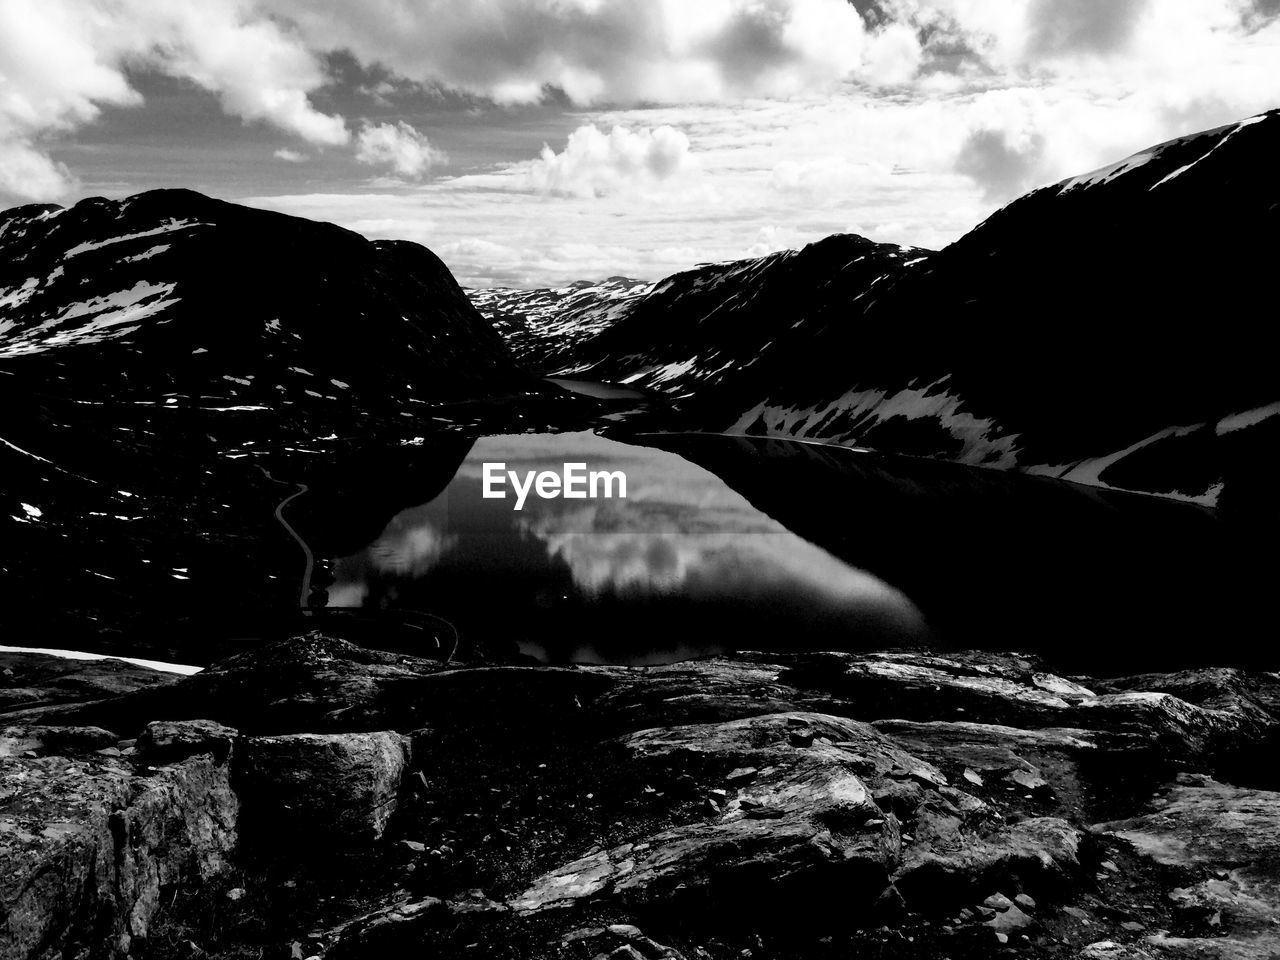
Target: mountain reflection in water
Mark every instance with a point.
(733, 542)
(683, 566)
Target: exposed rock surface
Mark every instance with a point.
(1222, 843)
(87, 847)
(328, 789)
(789, 806)
(35, 680)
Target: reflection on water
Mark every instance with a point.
(734, 542)
(683, 566)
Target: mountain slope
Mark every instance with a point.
(706, 327)
(194, 296)
(173, 367)
(1111, 329)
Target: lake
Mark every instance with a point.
(725, 543)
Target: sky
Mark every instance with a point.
(538, 142)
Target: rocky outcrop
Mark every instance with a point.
(800, 805)
(88, 845)
(791, 812)
(36, 680)
(1222, 845)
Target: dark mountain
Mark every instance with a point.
(543, 326)
(1111, 329)
(698, 330)
(201, 303)
(172, 367)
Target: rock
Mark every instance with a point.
(1180, 729)
(815, 847)
(922, 687)
(235, 893)
(1110, 950)
(34, 682)
(1227, 840)
(741, 775)
(1046, 762)
(92, 835)
(998, 902)
(1041, 854)
(168, 741)
(1025, 902)
(324, 789)
(1060, 687)
(65, 741)
(1030, 781)
(625, 930)
(1008, 917)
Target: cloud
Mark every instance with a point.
(398, 146)
(63, 61)
(594, 163)
(600, 51)
(1083, 26)
(28, 174)
(1003, 165)
(290, 156)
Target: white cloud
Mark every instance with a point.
(62, 61)
(290, 156)
(398, 146)
(28, 174)
(594, 163)
(599, 51)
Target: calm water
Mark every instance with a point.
(683, 566)
(728, 543)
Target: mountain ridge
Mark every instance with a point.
(1103, 330)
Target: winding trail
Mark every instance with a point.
(304, 594)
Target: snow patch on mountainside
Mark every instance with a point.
(982, 441)
(167, 227)
(1249, 418)
(1217, 146)
(91, 321)
(545, 323)
(1112, 171)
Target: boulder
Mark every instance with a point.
(333, 790)
(88, 846)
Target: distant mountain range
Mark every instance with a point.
(1113, 329)
(543, 327)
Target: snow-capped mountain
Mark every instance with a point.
(703, 328)
(1111, 329)
(542, 326)
(190, 301)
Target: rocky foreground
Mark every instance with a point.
(314, 798)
